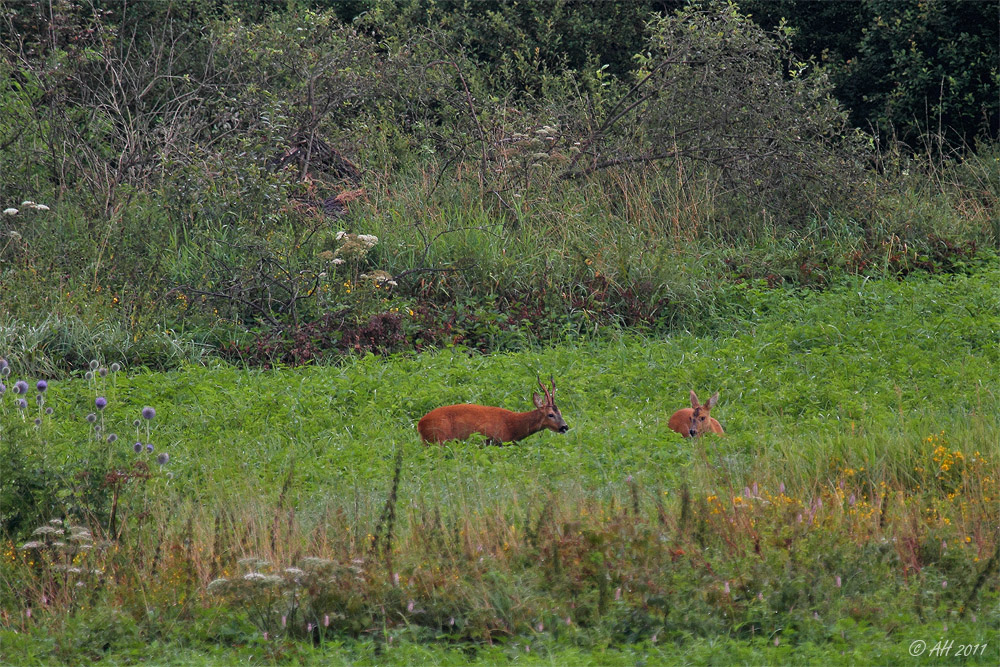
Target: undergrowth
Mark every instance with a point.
(503, 220)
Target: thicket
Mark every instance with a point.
(280, 186)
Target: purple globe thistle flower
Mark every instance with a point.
(94, 363)
(136, 423)
(112, 437)
(148, 412)
(38, 421)
(20, 387)
(92, 418)
(101, 402)
(103, 372)
(115, 367)
(98, 428)
(137, 448)
(3, 363)
(3, 388)
(149, 447)
(163, 458)
(41, 386)
(39, 399)
(21, 404)
(89, 375)
(49, 411)
(5, 371)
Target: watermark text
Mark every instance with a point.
(945, 648)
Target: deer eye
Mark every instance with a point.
(552, 415)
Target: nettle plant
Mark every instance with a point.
(92, 489)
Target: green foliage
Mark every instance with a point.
(697, 100)
(601, 203)
(28, 494)
(904, 70)
(523, 43)
(942, 60)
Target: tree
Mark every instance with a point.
(904, 68)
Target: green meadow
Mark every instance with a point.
(849, 510)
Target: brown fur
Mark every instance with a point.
(458, 422)
(694, 421)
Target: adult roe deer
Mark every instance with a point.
(458, 422)
(692, 422)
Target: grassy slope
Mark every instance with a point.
(857, 372)
(857, 377)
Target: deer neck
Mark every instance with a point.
(523, 424)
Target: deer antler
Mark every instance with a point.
(548, 396)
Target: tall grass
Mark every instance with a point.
(646, 250)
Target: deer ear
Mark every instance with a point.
(694, 399)
(539, 401)
(712, 401)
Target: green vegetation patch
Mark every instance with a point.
(849, 511)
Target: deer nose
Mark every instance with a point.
(692, 432)
(563, 428)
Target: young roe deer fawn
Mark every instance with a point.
(692, 422)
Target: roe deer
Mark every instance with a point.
(692, 422)
(458, 422)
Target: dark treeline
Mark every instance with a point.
(902, 69)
